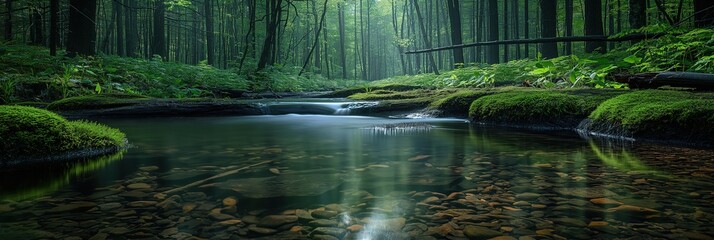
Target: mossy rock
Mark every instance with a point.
(29, 133)
(656, 114)
(458, 103)
(534, 109)
(96, 102)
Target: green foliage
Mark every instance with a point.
(7, 89)
(286, 79)
(659, 112)
(27, 131)
(690, 51)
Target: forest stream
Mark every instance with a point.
(329, 176)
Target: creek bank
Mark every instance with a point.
(35, 136)
(671, 116)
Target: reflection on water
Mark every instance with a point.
(349, 177)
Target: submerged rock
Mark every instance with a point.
(284, 185)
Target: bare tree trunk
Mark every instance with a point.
(82, 37)
(455, 20)
(343, 57)
(548, 20)
(593, 25)
(158, 45)
(317, 38)
(568, 25)
(493, 51)
(54, 26)
(425, 37)
(8, 20)
(269, 41)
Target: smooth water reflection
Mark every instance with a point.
(367, 178)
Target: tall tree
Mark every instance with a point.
(54, 26)
(506, 26)
(703, 13)
(8, 20)
(424, 36)
(455, 21)
(272, 26)
(210, 44)
(548, 16)
(317, 38)
(132, 30)
(37, 35)
(526, 28)
(82, 36)
(593, 25)
(158, 43)
(119, 14)
(568, 25)
(341, 26)
(638, 13)
(493, 50)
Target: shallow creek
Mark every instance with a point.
(353, 177)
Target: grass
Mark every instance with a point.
(651, 113)
(32, 132)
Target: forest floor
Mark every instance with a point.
(568, 92)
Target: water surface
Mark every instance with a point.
(352, 177)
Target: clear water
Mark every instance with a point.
(392, 178)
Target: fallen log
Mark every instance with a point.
(700, 81)
(590, 38)
(223, 174)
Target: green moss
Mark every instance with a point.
(383, 94)
(538, 108)
(96, 102)
(459, 102)
(32, 132)
(656, 113)
(343, 93)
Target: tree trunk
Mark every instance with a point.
(132, 30)
(703, 13)
(455, 20)
(317, 38)
(269, 41)
(210, 44)
(568, 25)
(158, 44)
(593, 25)
(424, 36)
(318, 60)
(493, 51)
(119, 11)
(505, 27)
(8, 20)
(526, 28)
(54, 26)
(638, 13)
(548, 20)
(38, 35)
(82, 37)
(343, 54)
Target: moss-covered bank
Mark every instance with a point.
(659, 115)
(558, 109)
(30, 135)
(675, 116)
